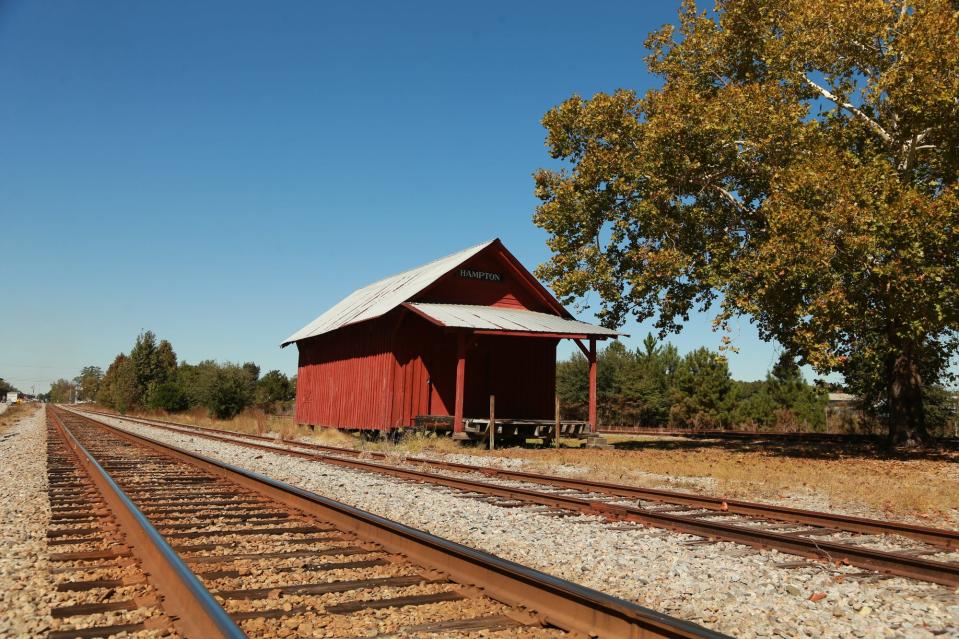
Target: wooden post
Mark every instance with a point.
(460, 382)
(556, 438)
(592, 384)
(492, 422)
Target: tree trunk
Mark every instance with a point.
(907, 417)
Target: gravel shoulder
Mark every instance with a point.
(26, 589)
(727, 587)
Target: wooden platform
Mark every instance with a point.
(478, 427)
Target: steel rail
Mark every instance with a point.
(556, 601)
(194, 610)
(893, 563)
(939, 537)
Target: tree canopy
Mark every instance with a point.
(653, 386)
(61, 391)
(88, 382)
(150, 377)
(798, 166)
(6, 387)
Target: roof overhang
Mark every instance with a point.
(495, 320)
(381, 297)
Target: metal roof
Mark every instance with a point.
(381, 297)
(496, 318)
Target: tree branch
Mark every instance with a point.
(849, 107)
(915, 144)
(729, 196)
(903, 12)
(910, 154)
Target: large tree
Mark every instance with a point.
(88, 382)
(154, 364)
(61, 391)
(272, 388)
(701, 391)
(797, 166)
(6, 387)
(118, 388)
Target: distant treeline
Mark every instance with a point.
(6, 387)
(654, 386)
(149, 377)
(649, 386)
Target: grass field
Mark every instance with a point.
(923, 485)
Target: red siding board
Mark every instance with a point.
(343, 376)
(383, 373)
(509, 292)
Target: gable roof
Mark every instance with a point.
(383, 296)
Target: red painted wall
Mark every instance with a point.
(385, 372)
(344, 375)
(509, 292)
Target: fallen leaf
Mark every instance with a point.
(817, 596)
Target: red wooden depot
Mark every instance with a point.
(431, 345)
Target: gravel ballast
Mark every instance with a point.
(26, 589)
(724, 586)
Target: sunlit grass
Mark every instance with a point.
(15, 412)
(414, 443)
(921, 487)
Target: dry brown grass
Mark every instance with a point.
(253, 422)
(925, 487)
(13, 413)
(256, 422)
(413, 444)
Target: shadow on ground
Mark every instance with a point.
(798, 448)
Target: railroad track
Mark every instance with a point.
(230, 553)
(101, 588)
(918, 552)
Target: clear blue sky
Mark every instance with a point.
(222, 172)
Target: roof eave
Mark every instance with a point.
(465, 254)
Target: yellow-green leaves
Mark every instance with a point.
(800, 160)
